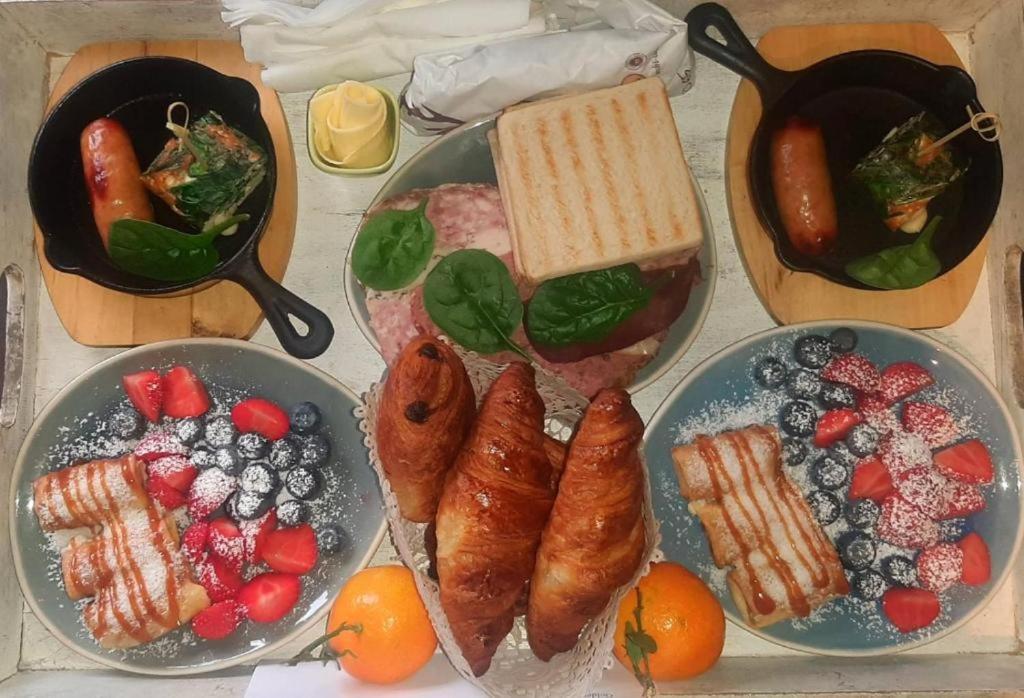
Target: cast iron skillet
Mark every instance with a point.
(137, 92)
(857, 97)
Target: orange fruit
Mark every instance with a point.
(683, 618)
(388, 635)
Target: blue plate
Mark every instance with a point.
(720, 394)
(65, 430)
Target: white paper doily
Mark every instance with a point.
(515, 671)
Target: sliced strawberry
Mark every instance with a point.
(834, 425)
(176, 471)
(964, 499)
(871, 480)
(218, 620)
(255, 532)
(162, 491)
(291, 550)
(939, 567)
(926, 489)
(910, 609)
(220, 581)
(145, 390)
(261, 416)
(877, 413)
(184, 394)
(904, 525)
(903, 379)
(932, 423)
(193, 543)
(269, 597)
(209, 491)
(967, 462)
(226, 543)
(157, 445)
(977, 561)
(853, 370)
(901, 452)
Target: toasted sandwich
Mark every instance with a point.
(595, 180)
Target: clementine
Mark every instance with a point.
(670, 626)
(385, 635)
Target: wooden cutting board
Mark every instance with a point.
(792, 296)
(100, 317)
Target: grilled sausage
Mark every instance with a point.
(112, 175)
(803, 188)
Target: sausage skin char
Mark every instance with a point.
(803, 187)
(112, 176)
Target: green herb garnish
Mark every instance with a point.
(393, 248)
(639, 647)
(585, 307)
(470, 295)
(903, 266)
(165, 254)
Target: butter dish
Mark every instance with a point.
(332, 166)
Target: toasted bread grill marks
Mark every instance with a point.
(564, 217)
(611, 192)
(632, 158)
(581, 186)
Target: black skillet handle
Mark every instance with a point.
(278, 303)
(737, 53)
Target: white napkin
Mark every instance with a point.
(354, 40)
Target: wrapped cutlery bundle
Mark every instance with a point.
(522, 544)
(608, 42)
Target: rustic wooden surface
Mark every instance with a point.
(792, 296)
(98, 316)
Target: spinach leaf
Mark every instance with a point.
(165, 254)
(585, 307)
(393, 248)
(903, 266)
(471, 296)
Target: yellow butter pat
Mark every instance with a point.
(350, 126)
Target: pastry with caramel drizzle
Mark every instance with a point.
(782, 563)
(131, 564)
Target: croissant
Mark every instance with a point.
(595, 538)
(426, 409)
(494, 505)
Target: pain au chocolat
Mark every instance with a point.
(758, 524)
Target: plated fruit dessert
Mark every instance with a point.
(891, 445)
(199, 512)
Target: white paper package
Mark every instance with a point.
(627, 38)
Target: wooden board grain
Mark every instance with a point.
(792, 296)
(100, 317)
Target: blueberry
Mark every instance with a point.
(305, 418)
(284, 454)
(798, 418)
(794, 451)
(862, 441)
(856, 550)
(126, 423)
(862, 513)
(227, 459)
(330, 539)
(302, 483)
(220, 432)
(259, 478)
(843, 340)
(824, 505)
(828, 473)
(868, 585)
(201, 457)
(813, 351)
(292, 512)
(252, 446)
(841, 454)
(188, 430)
(246, 506)
(314, 450)
(835, 396)
(952, 530)
(770, 372)
(899, 571)
(803, 384)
